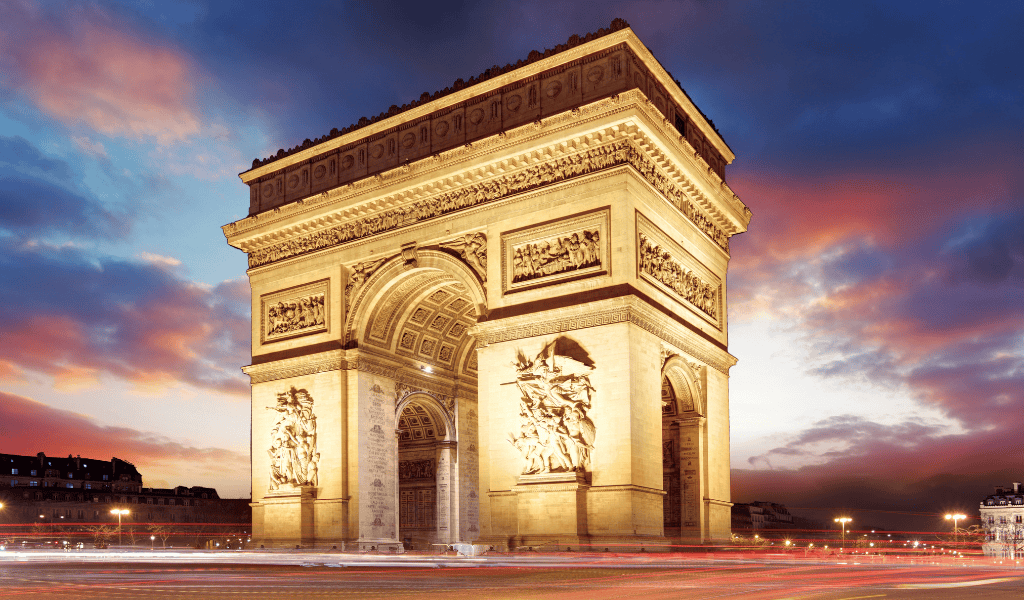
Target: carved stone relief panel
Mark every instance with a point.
(448, 130)
(352, 163)
(416, 469)
(296, 182)
(272, 192)
(325, 173)
(561, 90)
(603, 76)
(575, 165)
(294, 459)
(522, 103)
(556, 434)
(570, 248)
(472, 248)
(414, 141)
(382, 152)
(294, 312)
(483, 117)
(360, 272)
(668, 266)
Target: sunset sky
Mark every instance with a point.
(876, 303)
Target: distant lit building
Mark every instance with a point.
(747, 517)
(75, 495)
(1002, 516)
(758, 516)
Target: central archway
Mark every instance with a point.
(412, 321)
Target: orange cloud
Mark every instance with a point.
(97, 72)
(802, 215)
(28, 427)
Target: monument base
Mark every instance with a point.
(288, 517)
(551, 510)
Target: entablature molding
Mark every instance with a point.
(628, 309)
(310, 364)
(622, 143)
(407, 374)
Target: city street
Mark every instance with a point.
(307, 575)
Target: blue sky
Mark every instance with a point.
(876, 302)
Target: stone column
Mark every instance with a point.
(445, 522)
(693, 514)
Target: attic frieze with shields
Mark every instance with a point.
(501, 99)
(616, 146)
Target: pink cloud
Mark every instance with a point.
(99, 73)
(28, 427)
(802, 215)
(137, 322)
(903, 476)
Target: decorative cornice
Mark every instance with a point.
(295, 367)
(619, 310)
(555, 171)
(368, 188)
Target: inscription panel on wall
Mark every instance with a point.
(666, 265)
(294, 312)
(556, 251)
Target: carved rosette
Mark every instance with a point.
(294, 460)
(556, 434)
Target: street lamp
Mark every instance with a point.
(955, 517)
(119, 512)
(844, 521)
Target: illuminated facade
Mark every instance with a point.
(1002, 518)
(485, 316)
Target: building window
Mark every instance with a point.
(88, 486)
(1002, 520)
(1018, 519)
(34, 483)
(149, 500)
(33, 472)
(105, 478)
(70, 485)
(14, 482)
(71, 475)
(14, 471)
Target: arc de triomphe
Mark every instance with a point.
(497, 315)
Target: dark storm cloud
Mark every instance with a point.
(76, 317)
(903, 476)
(40, 194)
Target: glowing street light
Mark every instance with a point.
(844, 521)
(119, 512)
(955, 517)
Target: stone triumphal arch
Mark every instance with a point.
(497, 315)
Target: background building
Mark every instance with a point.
(1002, 518)
(71, 498)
